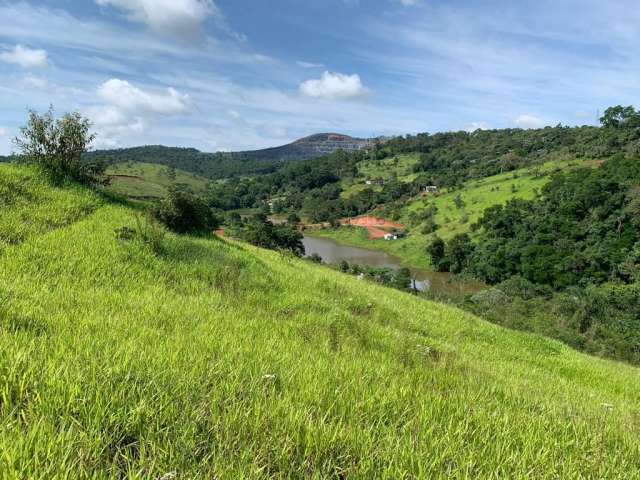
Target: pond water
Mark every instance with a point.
(438, 282)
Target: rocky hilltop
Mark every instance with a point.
(309, 147)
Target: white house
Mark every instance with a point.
(394, 235)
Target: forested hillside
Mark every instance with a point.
(446, 160)
(567, 262)
(210, 165)
(232, 164)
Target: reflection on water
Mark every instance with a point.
(333, 252)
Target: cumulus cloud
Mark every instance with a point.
(181, 17)
(529, 121)
(25, 57)
(130, 98)
(127, 110)
(334, 85)
(473, 126)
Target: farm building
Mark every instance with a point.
(375, 181)
(394, 235)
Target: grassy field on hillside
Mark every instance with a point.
(28, 206)
(476, 196)
(399, 165)
(148, 180)
(214, 359)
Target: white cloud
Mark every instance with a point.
(112, 125)
(130, 98)
(408, 3)
(181, 17)
(334, 86)
(25, 57)
(309, 64)
(128, 109)
(3, 132)
(529, 121)
(38, 83)
(234, 114)
(473, 126)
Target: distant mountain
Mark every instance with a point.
(226, 164)
(309, 147)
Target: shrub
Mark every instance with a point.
(262, 233)
(315, 258)
(57, 147)
(184, 212)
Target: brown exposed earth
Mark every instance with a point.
(376, 227)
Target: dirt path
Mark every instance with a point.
(376, 233)
(368, 221)
(127, 177)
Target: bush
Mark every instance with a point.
(57, 147)
(262, 233)
(184, 212)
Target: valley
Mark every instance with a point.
(120, 358)
(335, 240)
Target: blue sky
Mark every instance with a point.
(244, 74)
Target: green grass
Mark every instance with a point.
(214, 359)
(400, 165)
(477, 196)
(147, 180)
(29, 206)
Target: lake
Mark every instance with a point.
(439, 282)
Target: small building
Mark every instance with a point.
(375, 181)
(394, 235)
(430, 189)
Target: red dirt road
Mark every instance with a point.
(368, 221)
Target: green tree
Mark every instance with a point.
(184, 212)
(458, 251)
(293, 219)
(436, 250)
(401, 279)
(57, 147)
(619, 116)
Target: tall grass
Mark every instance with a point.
(212, 359)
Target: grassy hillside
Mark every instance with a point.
(476, 195)
(399, 166)
(214, 359)
(148, 180)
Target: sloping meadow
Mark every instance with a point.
(213, 359)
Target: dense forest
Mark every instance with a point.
(568, 262)
(210, 165)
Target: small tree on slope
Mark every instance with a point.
(57, 146)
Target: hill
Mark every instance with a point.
(212, 359)
(148, 181)
(454, 210)
(309, 147)
(229, 164)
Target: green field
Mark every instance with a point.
(477, 196)
(214, 359)
(398, 165)
(150, 181)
